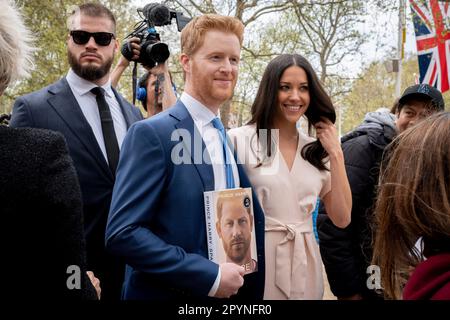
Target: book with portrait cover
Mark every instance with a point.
(230, 228)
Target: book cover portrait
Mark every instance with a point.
(230, 227)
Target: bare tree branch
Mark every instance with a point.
(258, 55)
(266, 10)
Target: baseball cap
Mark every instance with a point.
(426, 91)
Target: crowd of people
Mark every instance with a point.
(111, 205)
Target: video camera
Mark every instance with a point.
(153, 51)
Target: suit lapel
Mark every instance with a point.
(66, 106)
(197, 153)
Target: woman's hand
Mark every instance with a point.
(326, 132)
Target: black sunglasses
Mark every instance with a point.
(101, 38)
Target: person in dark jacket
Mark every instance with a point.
(42, 238)
(44, 255)
(346, 253)
(413, 206)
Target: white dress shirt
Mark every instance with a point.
(202, 117)
(86, 100)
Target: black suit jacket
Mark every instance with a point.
(55, 108)
(40, 203)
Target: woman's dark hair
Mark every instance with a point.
(265, 105)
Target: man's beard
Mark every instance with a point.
(89, 72)
(238, 258)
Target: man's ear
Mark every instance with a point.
(116, 46)
(219, 230)
(185, 62)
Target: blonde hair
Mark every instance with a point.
(413, 201)
(15, 45)
(193, 35)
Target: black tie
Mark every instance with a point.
(109, 135)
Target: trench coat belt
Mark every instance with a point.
(290, 273)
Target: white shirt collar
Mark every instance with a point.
(198, 111)
(82, 86)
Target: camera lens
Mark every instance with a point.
(158, 52)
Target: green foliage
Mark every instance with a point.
(374, 89)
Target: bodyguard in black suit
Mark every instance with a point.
(93, 118)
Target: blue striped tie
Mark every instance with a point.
(226, 153)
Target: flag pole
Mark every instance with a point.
(400, 46)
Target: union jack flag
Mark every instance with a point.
(432, 27)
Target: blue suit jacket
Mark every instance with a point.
(55, 108)
(157, 221)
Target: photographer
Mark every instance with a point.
(155, 88)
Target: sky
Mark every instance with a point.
(384, 26)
